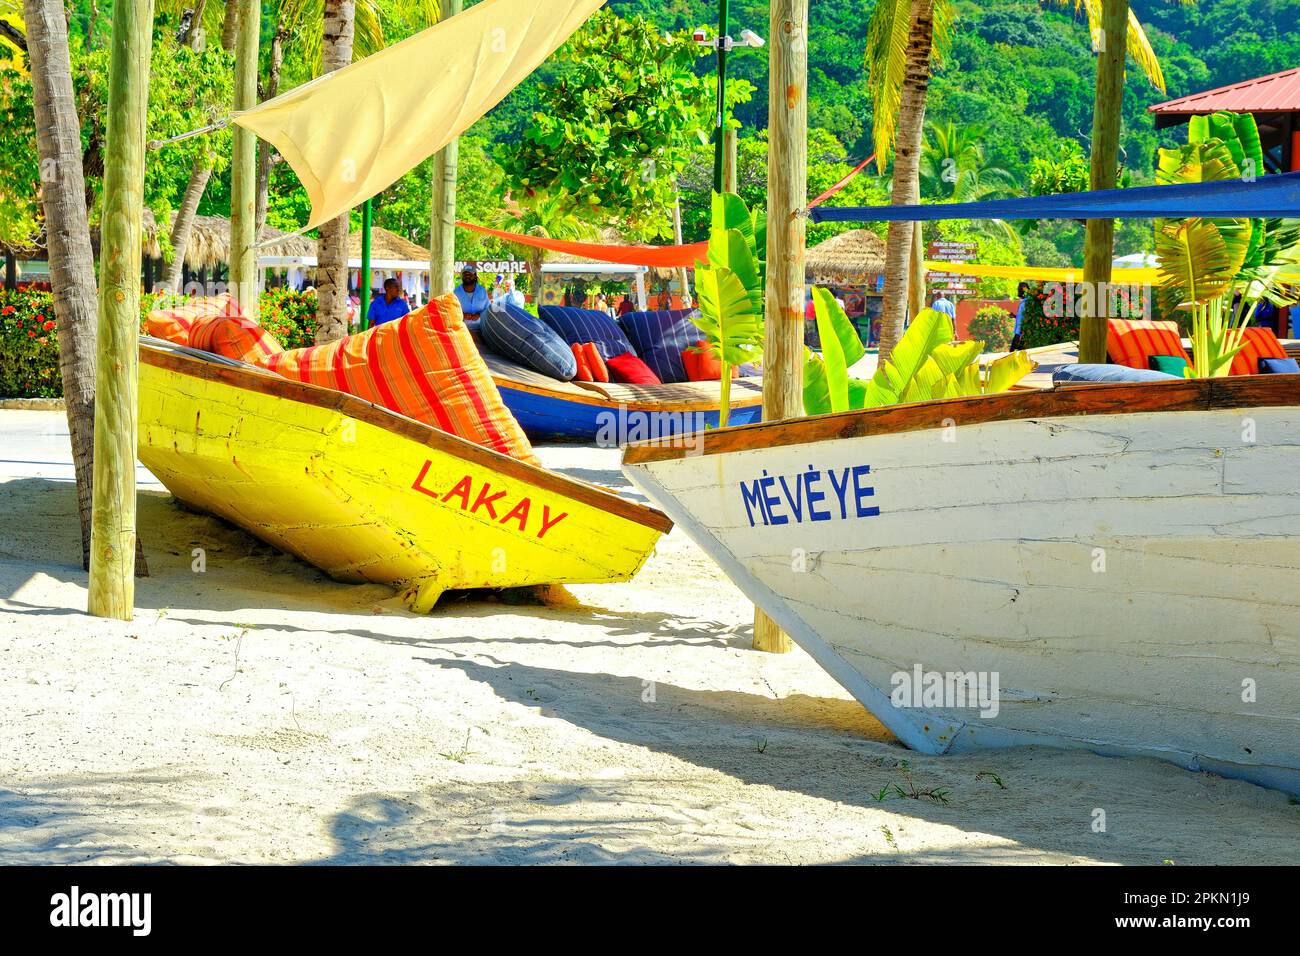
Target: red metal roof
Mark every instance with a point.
(1278, 93)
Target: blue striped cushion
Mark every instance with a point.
(660, 338)
(522, 337)
(577, 326)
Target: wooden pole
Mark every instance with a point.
(682, 279)
(1099, 234)
(729, 181)
(787, 197)
(112, 534)
(243, 164)
(442, 228)
(916, 283)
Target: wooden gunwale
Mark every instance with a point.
(268, 383)
(1076, 399)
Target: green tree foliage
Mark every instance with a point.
(616, 125)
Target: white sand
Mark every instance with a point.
(260, 712)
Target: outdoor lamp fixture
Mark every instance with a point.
(723, 43)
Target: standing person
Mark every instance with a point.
(473, 297)
(602, 304)
(625, 306)
(509, 295)
(391, 305)
(1022, 293)
(944, 305)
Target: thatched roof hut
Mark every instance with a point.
(855, 257)
(209, 242)
(385, 246)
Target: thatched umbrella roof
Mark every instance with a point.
(851, 258)
(209, 242)
(385, 245)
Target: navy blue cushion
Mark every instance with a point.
(1108, 373)
(1277, 366)
(660, 337)
(522, 337)
(577, 326)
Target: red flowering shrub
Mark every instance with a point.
(29, 352)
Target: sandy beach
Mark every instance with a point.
(257, 712)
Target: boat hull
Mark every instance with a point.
(1128, 579)
(545, 416)
(368, 495)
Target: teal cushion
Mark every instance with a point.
(1169, 364)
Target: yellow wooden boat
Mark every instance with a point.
(366, 494)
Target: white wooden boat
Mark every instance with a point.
(1124, 560)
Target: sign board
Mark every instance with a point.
(502, 267)
(951, 284)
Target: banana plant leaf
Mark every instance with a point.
(1199, 260)
(928, 330)
(1006, 371)
(728, 316)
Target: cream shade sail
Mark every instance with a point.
(351, 133)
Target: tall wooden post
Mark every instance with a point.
(112, 535)
(916, 274)
(1099, 241)
(442, 227)
(243, 164)
(729, 182)
(787, 197)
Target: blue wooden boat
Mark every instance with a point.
(613, 413)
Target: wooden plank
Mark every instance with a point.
(1093, 399)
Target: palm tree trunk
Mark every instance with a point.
(1099, 238)
(243, 164)
(200, 173)
(332, 244)
(192, 33)
(907, 163)
(230, 25)
(72, 264)
(263, 147)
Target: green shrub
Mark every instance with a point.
(29, 350)
(1038, 328)
(290, 316)
(994, 327)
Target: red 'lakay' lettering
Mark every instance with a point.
(419, 481)
(519, 513)
(461, 491)
(547, 523)
(484, 500)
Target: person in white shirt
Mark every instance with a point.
(508, 294)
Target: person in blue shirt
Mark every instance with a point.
(391, 305)
(472, 296)
(941, 304)
(1022, 293)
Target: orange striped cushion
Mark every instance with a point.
(424, 366)
(1257, 342)
(1132, 341)
(174, 324)
(235, 338)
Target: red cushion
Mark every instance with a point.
(1132, 342)
(235, 338)
(580, 356)
(424, 366)
(599, 373)
(1257, 342)
(704, 366)
(628, 368)
(174, 324)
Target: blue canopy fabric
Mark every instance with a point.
(1265, 197)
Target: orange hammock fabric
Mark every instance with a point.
(664, 257)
